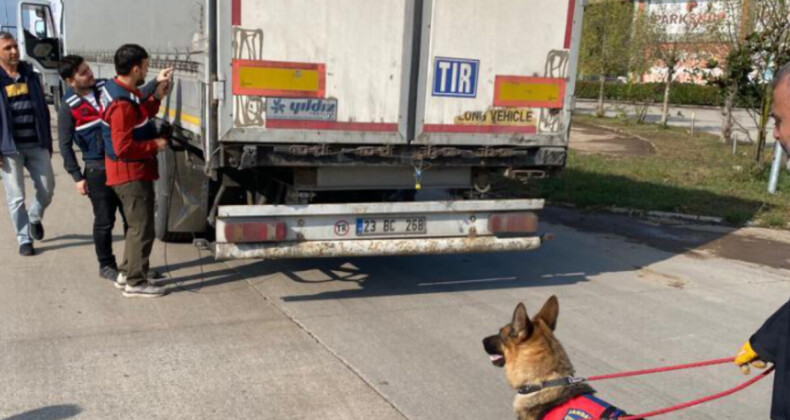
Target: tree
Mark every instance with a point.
(733, 82)
(670, 44)
(732, 33)
(639, 62)
(605, 42)
(769, 47)
(758, 44)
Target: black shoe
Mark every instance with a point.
(37, 231)
(108, 272)
(27, 250)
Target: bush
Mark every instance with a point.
(681, 93)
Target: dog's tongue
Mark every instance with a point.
(496, 358)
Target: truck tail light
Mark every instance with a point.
(513, 223)
(249, 232)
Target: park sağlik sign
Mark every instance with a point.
(682, 16)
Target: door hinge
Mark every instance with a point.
(219, 90)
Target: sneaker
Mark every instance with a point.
(109, 272)
(27, 250)
(120, 281)
(37, 231)
(144, 290)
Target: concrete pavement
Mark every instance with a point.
(377, 338)
(412, 326)
(72, 346)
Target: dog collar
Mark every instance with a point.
(554, 383)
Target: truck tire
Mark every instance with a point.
(168, 203)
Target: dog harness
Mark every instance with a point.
(584, 407)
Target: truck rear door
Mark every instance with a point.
(495, 73)
(307, 71)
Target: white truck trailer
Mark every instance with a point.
(318, 128)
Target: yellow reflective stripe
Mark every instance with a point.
(538, 92)
(173, 114)
(16, 89)
(266, 78)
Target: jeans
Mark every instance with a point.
(105, 205)
(138, 205)
(38, 164)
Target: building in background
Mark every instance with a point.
(688, 22)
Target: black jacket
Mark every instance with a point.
(770, 343)
(40, 108)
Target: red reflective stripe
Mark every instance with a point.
(331, 126)
(236, 13)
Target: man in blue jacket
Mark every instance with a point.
(25, 143)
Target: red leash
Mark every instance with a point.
(685, 405)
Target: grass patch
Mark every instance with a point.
(692, 175)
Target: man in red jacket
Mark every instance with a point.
(131, 143)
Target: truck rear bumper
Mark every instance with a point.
(377, 247)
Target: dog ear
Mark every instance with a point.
(521, 323)
(549, 313)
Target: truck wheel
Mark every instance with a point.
(169, 203)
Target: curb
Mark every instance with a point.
(661, 215)
(710, 220)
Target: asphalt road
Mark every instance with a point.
(706, 119)
(377, 338)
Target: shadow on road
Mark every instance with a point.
(575, 256)
(572, 258)
(53, 412)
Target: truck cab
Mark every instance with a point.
(39, 42)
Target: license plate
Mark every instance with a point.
(386, 226)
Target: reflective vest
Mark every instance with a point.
(584, 407)
(87, 122)
(144, 128)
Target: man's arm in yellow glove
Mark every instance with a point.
(764, 345)
(747, 356)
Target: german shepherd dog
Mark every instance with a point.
(537, 366)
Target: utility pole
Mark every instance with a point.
(775, 168)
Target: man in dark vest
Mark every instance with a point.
(25, 143)
(131, 143)
(79, 122)
(770, 342)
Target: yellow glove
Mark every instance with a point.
(747, 356)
